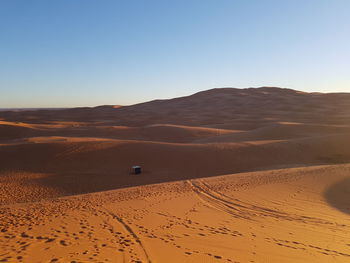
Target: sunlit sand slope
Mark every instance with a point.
(290, 215)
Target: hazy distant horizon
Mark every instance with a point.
(105, 104)
(37, 108)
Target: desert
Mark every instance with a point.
(228, 175)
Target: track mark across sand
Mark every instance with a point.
(131, 232)
(216, 200)
(245, 210)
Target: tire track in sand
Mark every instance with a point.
(129, 230)
(245, 210)
(217, 201)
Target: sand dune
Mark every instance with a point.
(280, 131)
(209, 191)
(155, 132)
(231, 108)
(272, 216)
(71, 165)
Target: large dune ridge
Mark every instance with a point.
(229, 175)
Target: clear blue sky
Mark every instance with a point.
(89, 52)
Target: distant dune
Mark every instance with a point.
(229, 175)
(216, 107)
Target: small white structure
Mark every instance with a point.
(136, 169)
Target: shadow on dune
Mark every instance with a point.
(338, 195)
(69, 168)
(81, 183)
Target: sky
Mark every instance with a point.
(70, 53)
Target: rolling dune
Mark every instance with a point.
(229, 175)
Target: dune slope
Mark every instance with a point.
(228, 175)
(271, 216)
